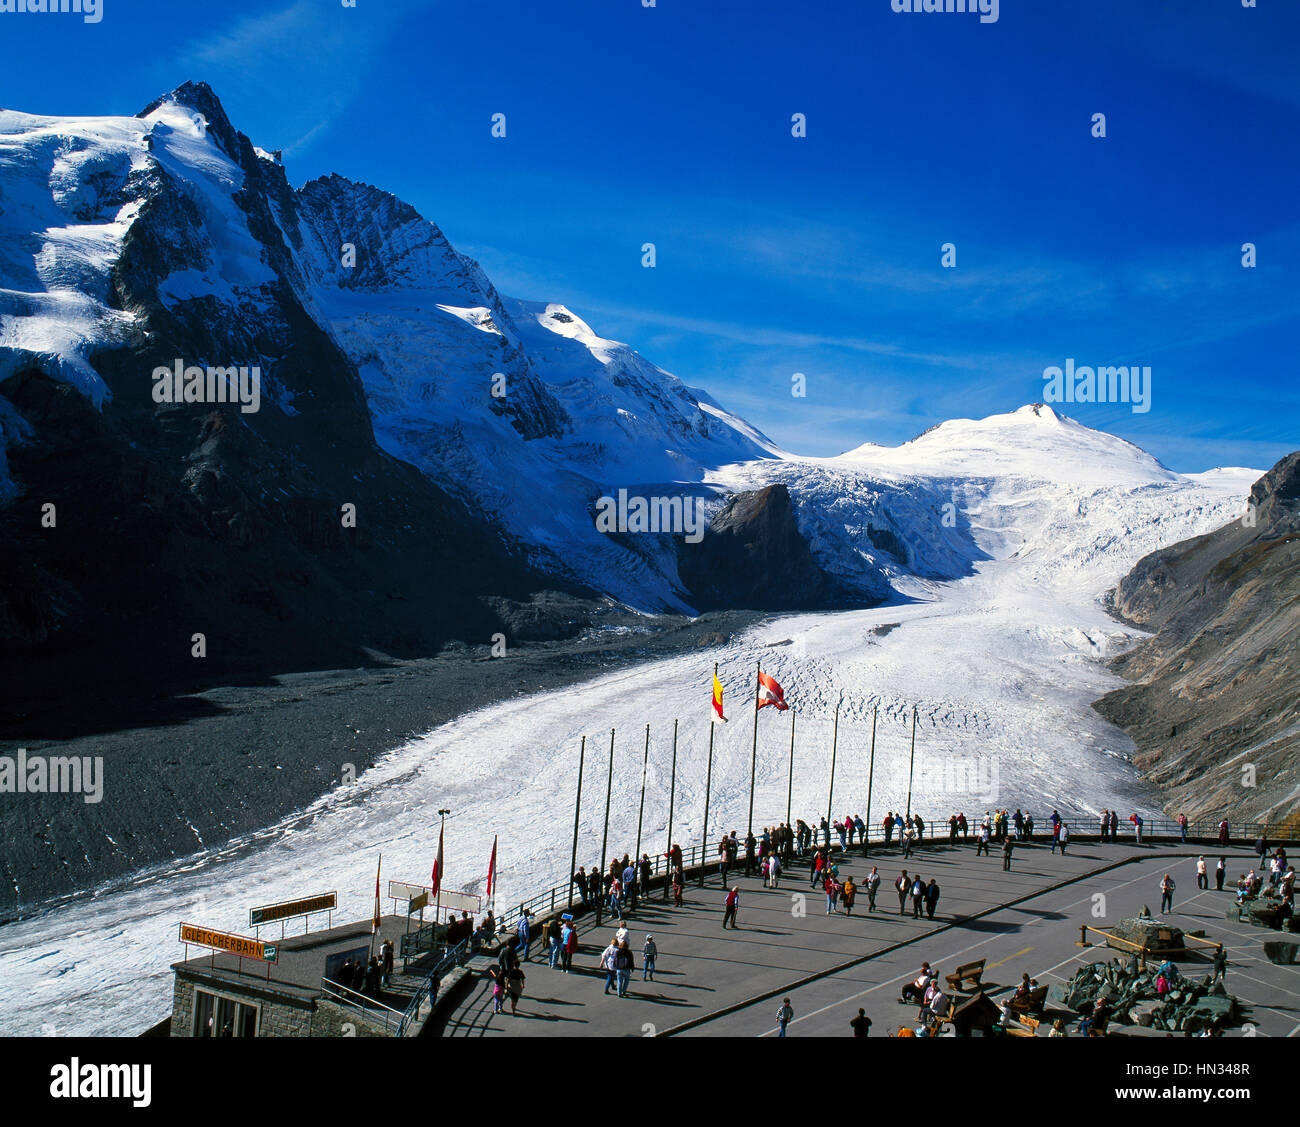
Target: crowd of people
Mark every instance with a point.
(773, 854)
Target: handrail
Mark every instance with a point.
(337, 991)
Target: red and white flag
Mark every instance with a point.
(437, 869)
(769, 692)
(492, 873)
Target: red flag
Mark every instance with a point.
(374, 927)
(492, 872)
(437, 870)
(769, 692)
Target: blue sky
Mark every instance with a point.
(819, 255)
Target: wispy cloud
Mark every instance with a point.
(320, 51)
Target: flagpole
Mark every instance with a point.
(835, 740)
(871, 774)
(708, 786)
(753, 755)
(442, 864)
(375, 923)
(672, 798)
(789, 793)
(604, 841)
(577, 811)
(911, 764)
(640, 816)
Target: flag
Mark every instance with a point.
(374, 927)
(492, 873)
(717, 699)
(437, 869)
(769, 692)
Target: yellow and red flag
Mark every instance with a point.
(717, 699)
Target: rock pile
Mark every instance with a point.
(1130, 997)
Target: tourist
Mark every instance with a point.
(750, 843)
(580, 879)
(1136, 819)
(732, 907)
(909, 840)
(888, 825)
(1114, 825)
(918, 897)
(1182, 829)
(1105, 825)
(1058, 1028)
(594, 885)
(553, 930)
(963, 826)
(678, 883)
(849, 893)
(568, 944)
(524, 931)
(1223, 832)
(386, 955)
(1220, 964)
(1029, 827)
(774, 870)
(514, 986)
(873, 884)
(903, 885)
(608, 961)
(498, 987)
(861, 1025)
(932, 897)
(952, 830)
(832, 891)
(1220, 872)
(1064, 837)
(623, 967)
(649, 953)
(914, 991)
(784, 1016)
(982, 839)
(1007, 846)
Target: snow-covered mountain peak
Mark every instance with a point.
(1033, 441)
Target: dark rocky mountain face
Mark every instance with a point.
(173, 519)
(1216, 689)
(754, 557)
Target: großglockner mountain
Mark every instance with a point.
(1214, 707)
(426, 456)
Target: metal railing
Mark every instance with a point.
(394, 1020)
(565, 895)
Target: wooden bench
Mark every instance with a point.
(1024, 1027)
(1031, 1003)
(971, 972)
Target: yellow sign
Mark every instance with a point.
(239, 945)
(326, 902)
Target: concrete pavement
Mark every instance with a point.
(1023, 920)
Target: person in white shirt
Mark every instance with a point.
(1202, 877)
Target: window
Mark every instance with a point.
(217, 1016)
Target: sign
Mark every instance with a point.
(453, 901)
(417, 904)
(400, 890)
(269, 913)
(240, 945)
